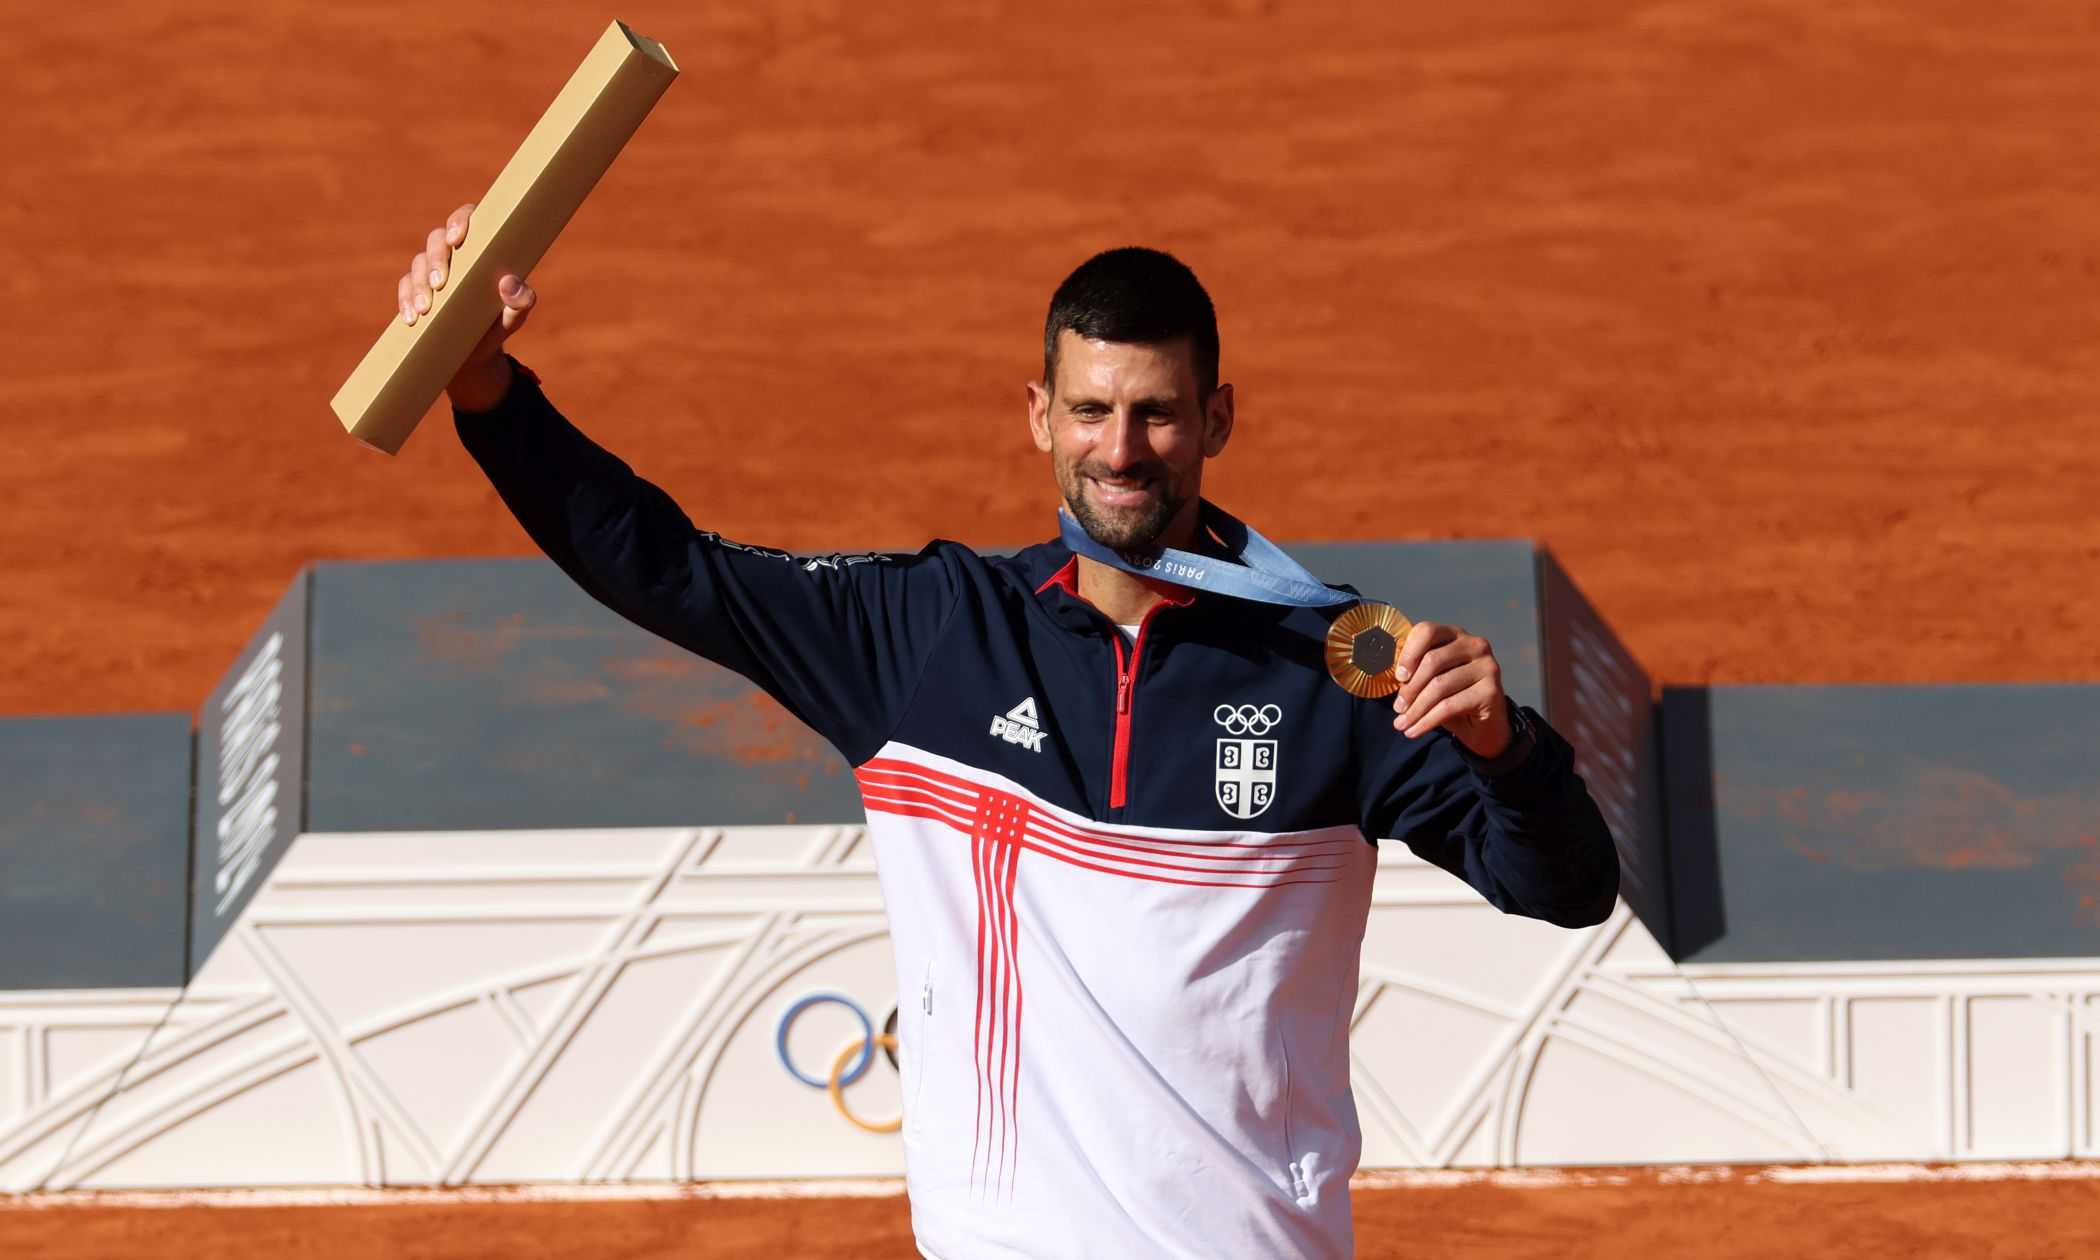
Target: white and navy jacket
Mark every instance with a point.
(1127, 883)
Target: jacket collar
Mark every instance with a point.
(1053, 571)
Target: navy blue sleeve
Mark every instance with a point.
(842, 641)
(1527, 835)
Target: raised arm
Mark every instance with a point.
(842, 641)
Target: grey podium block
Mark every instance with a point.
(94, 851)
(1882, 822)
(1604, 702)
(250, 790)
(475, 695)
(495, 695)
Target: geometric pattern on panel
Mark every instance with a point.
(605, 1006)
(1606, 1052)
(530, 1007)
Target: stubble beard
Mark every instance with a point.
(1132, 535)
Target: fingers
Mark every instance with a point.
(439, 256)
(518, 301)
(418, 288)
(1441, 685)
(1448, 672)
(456, 225)
(1425, 636)
(1425, 650)
(428, 271)
(1475, 701)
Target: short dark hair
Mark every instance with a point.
(1139, 296)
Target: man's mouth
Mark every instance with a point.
(1117, 492)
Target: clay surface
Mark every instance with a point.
(1775, 322)
(1734, 1219)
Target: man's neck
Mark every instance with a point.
(1123, 597)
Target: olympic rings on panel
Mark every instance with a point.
(853, 1059)
(835, 1087)
(1246, 719)
(866, 1046)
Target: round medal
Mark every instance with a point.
(1363, 645)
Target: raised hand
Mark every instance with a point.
(484, 377)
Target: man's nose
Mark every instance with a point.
(1123, 445)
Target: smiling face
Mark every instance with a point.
(1127, 430)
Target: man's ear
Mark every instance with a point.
(1217, 420)
(1039, 415)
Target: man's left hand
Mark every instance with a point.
(1452, 681)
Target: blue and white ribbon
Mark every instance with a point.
(1262, 573)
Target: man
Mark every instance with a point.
(1121, 825)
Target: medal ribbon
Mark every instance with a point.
(1262, 573)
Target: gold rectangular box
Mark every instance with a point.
(559, 163)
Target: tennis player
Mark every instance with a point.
(1124, 818)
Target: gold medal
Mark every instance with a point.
(1363, 645)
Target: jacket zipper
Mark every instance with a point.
(1126, 682)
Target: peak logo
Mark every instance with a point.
(1020, 725)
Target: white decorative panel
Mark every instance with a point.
(72, 1054)
(2018, 1039)
(279, 1125)
(441, 1068)
(14, 1076)
(1792, 1029)
(1896, 1057)
(1598, 1101)
(605, 1006)
(628, 1034)
(1445, 1044)
(2086, 1059)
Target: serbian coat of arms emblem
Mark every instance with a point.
(1246, 767)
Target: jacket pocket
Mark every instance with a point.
(917, 1042)
(1298, 1167)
